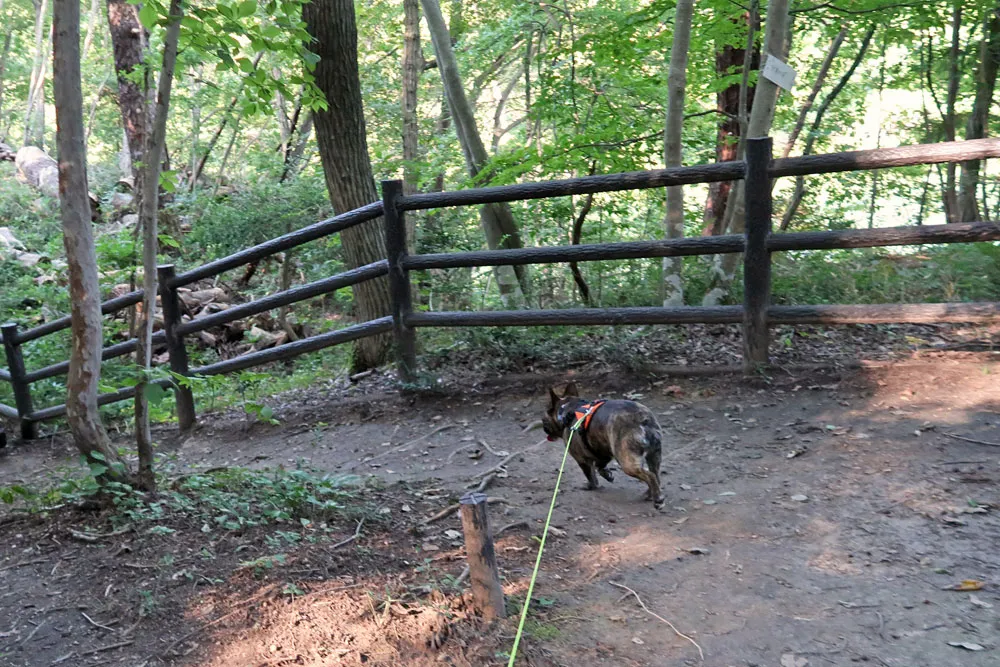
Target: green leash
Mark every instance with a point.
(541, 547)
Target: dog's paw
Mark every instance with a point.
(606, 474)
(590, 487)
(659, 503)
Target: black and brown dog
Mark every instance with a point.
(622, 430)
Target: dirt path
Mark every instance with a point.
(814, 521)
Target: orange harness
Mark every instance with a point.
(586, 413)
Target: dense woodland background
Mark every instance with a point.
(555, 90)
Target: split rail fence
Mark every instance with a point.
(757, 243)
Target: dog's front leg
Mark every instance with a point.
(591, 473)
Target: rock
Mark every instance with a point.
(8, 241)
(800, 498)
(28, 259)
(121, 200)
(6, 152)
(130, 220)
(38, 170)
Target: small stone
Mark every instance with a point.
(708, 502)
(637, 640)
(800, 498)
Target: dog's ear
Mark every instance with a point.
(553, 398)
(571, 390)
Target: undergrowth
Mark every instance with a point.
(225, 499)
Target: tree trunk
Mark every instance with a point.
(41, 6)
(85, 300)
(673, 282)
(92, 18)
(498, 221)
(793, 203)
(148, 208)
(294, 163)
(876, 173)
(128, 40)
(975, 128)
(759, 125)
(343, 148)
(3, 68)
(728, 59)
(950, 194)
(412, 62)
(824, 69)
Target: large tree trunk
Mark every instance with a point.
(673, 283)
(975, 128)
(728, 59)
(950, 193)
(148, 207)
(85, 297)
(498, 221)
(128, 39)
(793, 203)
(343, 148)
(759, 125)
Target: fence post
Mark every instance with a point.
(399, 280)
(171, 304)
(22, 390)
(756, 258)
(484, 575)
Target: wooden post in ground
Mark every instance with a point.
(399, 280)
(483, 573)
(22, 390)
(171, 304)
(756, 258)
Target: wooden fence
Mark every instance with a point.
(757, 243)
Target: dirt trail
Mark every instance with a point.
(816, 520)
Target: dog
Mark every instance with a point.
(625, 431)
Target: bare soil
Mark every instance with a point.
(813, 518)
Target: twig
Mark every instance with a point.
(32, 633)
(492, 451)
(972, 440)
(486, 482)
(405, 445)
(460, 449)
(462, 577)
(451, 509)
(96, 537)
(350, 539)
(508, 459)
(37, 561)
(532, 426)
(64, 658)
(511, 526)
(109, 647)
(95, 623)
(677, 632)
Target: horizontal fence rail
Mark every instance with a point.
(887, 313)
(756, 314)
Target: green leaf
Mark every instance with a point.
(148, 15)
(96, 469)
(247, 8)
(266, 412)
(154, 393)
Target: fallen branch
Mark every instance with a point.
(110, 647)
(483, 485)
(492, 451)
(532, 426)
(95, 623)
(97, 537)
(508, 459)
(350, 539)
(451, 509)
(972, 440)
(408, 444)
(677, 632)
(460, 449)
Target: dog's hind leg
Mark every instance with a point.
(632, 466)
(653, 457)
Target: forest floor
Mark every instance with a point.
(812, 518)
